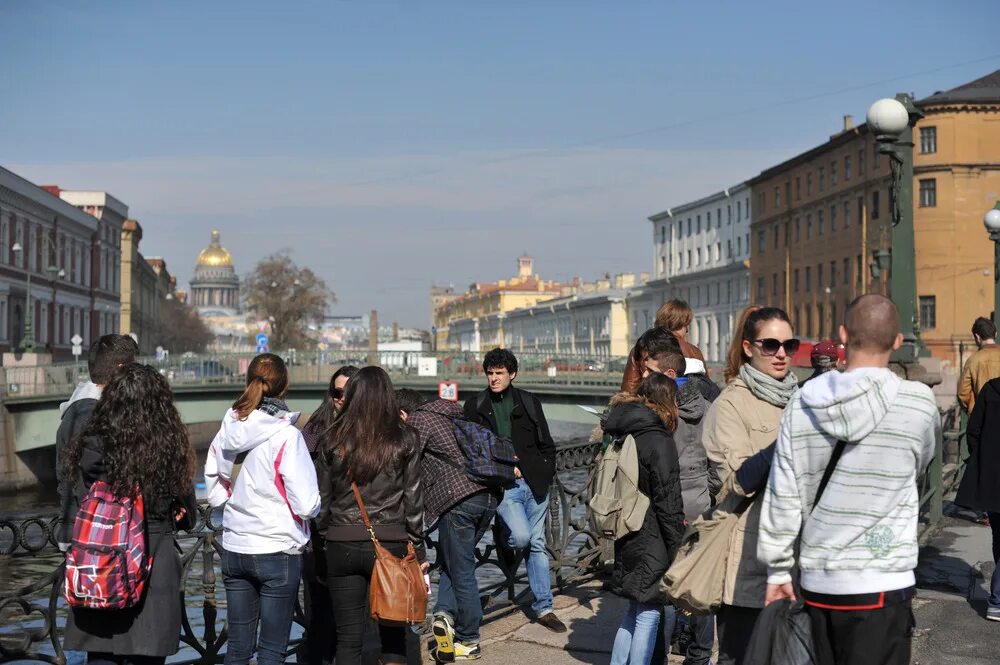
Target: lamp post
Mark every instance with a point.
(892, 121)
(28, 340)
(991, 220)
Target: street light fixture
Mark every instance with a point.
(892, 121)
(991, 220)
(28, 340)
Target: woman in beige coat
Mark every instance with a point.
(742, 422)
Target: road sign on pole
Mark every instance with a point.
(448, 390)
(263, 348)
(262, 339)
(77, 343)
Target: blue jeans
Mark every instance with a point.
(699, 651)
(523, 515)
(637, 635)
(260, 588)
(995, 580)
(459, 531)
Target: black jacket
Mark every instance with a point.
(536, 452)
(641, 558)
(74, 419)
(153, 627)
(980, 488)
(394, 500)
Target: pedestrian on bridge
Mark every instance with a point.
(135, 440)
(740, 428)
(258, 467)
(675, 317)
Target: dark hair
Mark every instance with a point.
(657, 341)
(146, 446)
(660, 392)
(674, 315)
(267, 376)
(323, 416)
(409, 400)
(983, 328)
(872, 323)
(500, 358)
(752, 318)
(368, 433)
(108, 355)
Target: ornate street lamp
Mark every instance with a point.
(991, 220)
(892, 121)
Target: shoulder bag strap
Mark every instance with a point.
(834, 458)
(237, 468)
(364, 513)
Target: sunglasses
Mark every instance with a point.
(770, 346)
(338, 393)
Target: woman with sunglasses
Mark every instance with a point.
(740, 427)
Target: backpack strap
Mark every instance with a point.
(237, 468)
(834, 458)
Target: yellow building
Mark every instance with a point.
(143, 288)
(485, 299)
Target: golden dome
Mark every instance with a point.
(215, 254)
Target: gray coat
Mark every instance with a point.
(699, 482)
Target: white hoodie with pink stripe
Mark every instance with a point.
(275, 494)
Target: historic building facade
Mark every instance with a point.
(215, 288)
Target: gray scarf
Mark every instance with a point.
(767, 388)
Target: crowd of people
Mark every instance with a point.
(822, 476)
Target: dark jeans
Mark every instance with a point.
(321, 630)
(862, 637)
(735, 626)
(995, 580)
(260, 589)
(349, 569)
(459, 531)
(97, 658)
(699, 651)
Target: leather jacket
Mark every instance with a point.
(394, 500)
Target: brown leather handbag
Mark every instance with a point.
(397, 592)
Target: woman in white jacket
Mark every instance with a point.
(258, 467)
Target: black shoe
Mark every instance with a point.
(552, 622)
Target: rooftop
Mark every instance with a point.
(982, 90)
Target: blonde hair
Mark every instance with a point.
(674, 315)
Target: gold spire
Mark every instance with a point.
(215, 254)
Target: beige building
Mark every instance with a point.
(144, 286)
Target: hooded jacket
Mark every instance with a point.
(641, 558)
(269, 507)
(698, 482)
(862, 535)
(75, 414)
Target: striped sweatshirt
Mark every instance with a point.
(862, 536)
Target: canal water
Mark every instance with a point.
(22, 569)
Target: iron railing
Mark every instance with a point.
(31, 616)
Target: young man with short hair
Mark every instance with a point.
(517, 414)
(982, 366)
(858, 545)
(461, 511)
(106, 357)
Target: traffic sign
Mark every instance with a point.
(448, 390)
(263, 348)
(77, 350)
(262, 339)
(76, 340)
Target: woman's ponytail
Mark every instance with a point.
(735, 357)
(267, 376)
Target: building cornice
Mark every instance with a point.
(835, 141)
(723, 195)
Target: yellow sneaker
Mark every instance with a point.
(467, 651)
(444, 637)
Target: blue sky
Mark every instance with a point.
(390, 145)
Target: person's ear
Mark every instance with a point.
(513, 375)
(898, 342)
(747, 346)
(672, 373)
(842, 333)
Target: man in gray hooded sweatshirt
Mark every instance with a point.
(104, 359)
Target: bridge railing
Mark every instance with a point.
(32, 616)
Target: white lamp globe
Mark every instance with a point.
(888, 116)
(991, 220)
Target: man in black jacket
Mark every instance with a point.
(104, 359)
(517, 414)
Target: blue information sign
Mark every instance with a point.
(262, 348)
(262, 339)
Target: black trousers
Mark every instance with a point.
(863, 637)
(734, 626)
(349, 570)
(321, 628)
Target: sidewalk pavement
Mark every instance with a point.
(953, 578)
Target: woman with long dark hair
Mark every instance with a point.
(322, 418)
(259, 468)
(741, 427)
(370, 445)
(641, 558)
(135, 441)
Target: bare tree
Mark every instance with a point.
(289, 297)
(181, 329)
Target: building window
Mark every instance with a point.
(819, 276)
(663, 265)
(822, 178)
(847, 168)
(739, 211)
(774, 233)
(718, 218)
(729, 214)
(928, 193)
(809, 184)
(861, 162)
(809, 227)
(798, 188)
(760, 241)
(708, 220)
(808, 278)
(689, 259)
(847, 215)
(833, 174)
(747, 241)
(777, 197)
(698, 225)
(729, 248)
(833, 219)
(928, 140)
(833, 274)
(663, 234)
(876, 156)
(857, 269)
(739, 245)
(798, 229)
(689, 227)
(761, 294)
(774, 284)
(847, 272)
(875, 204)
(795, 280)
(697, 257)
(718, 251)
(928, 312)
(819, 222)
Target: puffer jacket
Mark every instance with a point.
(699, 482)
(641, 558)
(393, 500)
(738, 426)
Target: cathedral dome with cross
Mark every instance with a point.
(215, 288)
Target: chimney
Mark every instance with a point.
(848, 122)
(395, 331)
